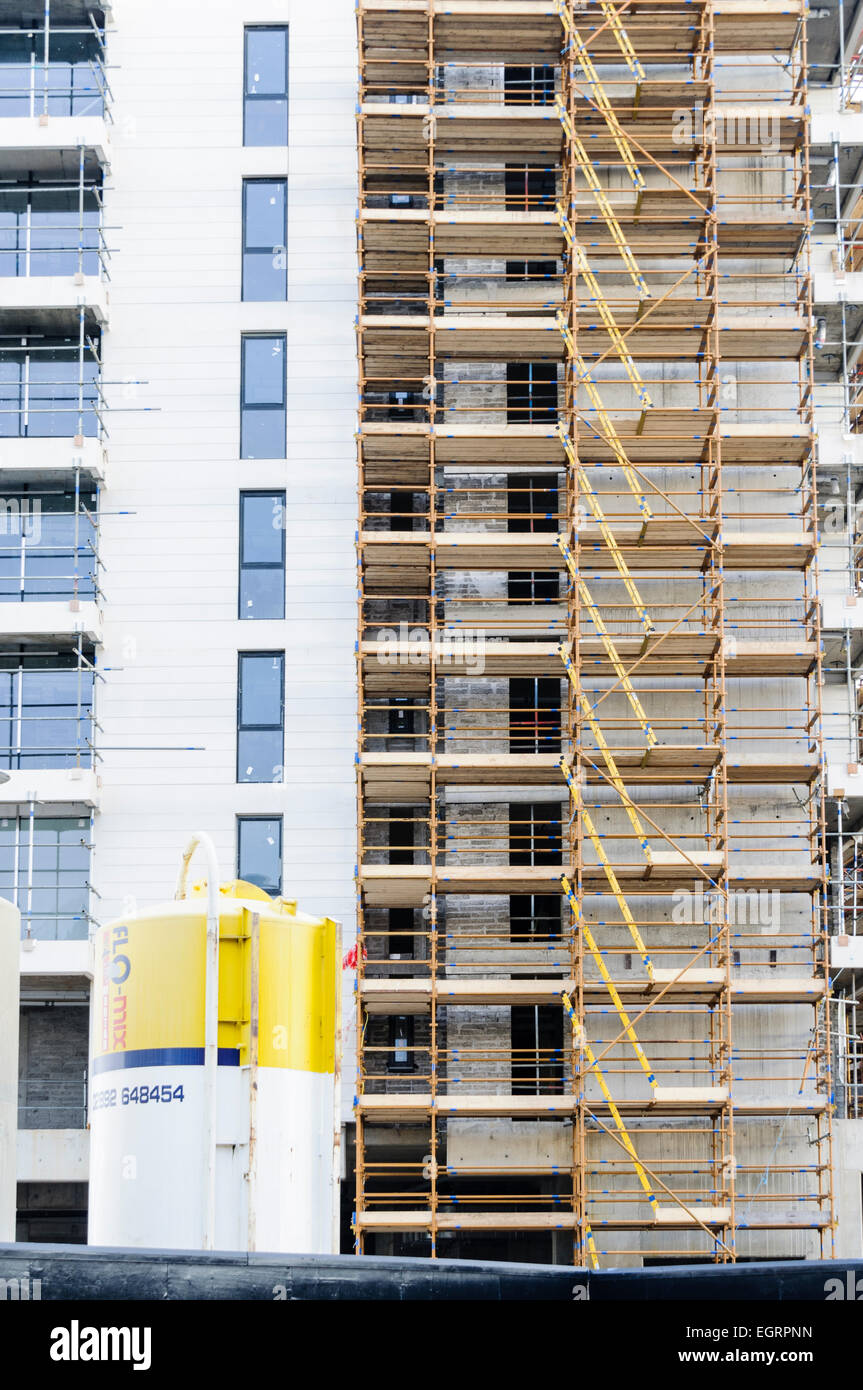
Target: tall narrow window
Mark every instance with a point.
(401, 834)
(265, 236)
(262, 397)
(262, 555)
(537, 1049)
(534, 714)
(265, 101)
(532, 505)
(401, 928)
(259, 851)
(401, 1044)
(261, 717)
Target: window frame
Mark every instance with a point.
(266, 96)
(261, 406)
(244, 565)
(260, 728)
(262, 250)
(394, 1066)
(278, 820)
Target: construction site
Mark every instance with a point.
(431, 637)
(593, 830)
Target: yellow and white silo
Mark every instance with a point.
(10, 968)
(215, 1126)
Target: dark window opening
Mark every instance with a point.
(396, 407)
(401, 720)
(401, 1058)
(401, 835)
(531, 393)
(400, 945)
(532, 505)
(534, 915)
(533, 586)
(534, 714)
(533, 271)
(537, 1049)
(532, 502)
(535, 833)
(527, 187)
(401, 511)
(532, 85)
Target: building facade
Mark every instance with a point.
(210, 472)
(563, 695)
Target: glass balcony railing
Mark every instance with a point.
(51, 230)
(61, 74)
(49, 390)
(45, 870)
(46, 712)
(46, 554)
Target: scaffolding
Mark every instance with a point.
(592, 974)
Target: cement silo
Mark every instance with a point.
(213, 1100)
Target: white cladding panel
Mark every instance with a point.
(168, 704)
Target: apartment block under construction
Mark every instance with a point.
(563, 699)
(594, 974)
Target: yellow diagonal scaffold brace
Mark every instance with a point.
(581, 266)
(613, 774)
(580, 1043)
(605, 422)
(599, 193)
(596, 839)
(624, 42)
(590, 941)
(608, 643)
(607, 535)
(618, 134)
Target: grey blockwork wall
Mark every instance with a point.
(52, 1067)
